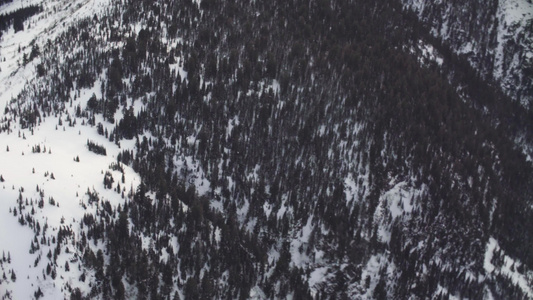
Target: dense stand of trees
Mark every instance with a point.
(279, 103)
(478, 24)
(17, 17)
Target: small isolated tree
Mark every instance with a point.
(41, 71)
(176, 296)
(67, 266)
(38, 294)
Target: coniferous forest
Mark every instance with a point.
(287, 150)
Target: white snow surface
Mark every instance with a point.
(395, 203)
(53, 173)
(56, 17)
(317, 276)
(302, 238)
(513, 17)
(427, 54)
(24, 171)
(509, 267)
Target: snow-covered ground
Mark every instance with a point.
(57, 175)
(513, 19)
(427, 53)
(56, 16)
(54, 173)
(507, 267)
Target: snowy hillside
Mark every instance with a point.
(496, 37)
(55, 18)
(48, 171)
(49, 187)
(261, 150)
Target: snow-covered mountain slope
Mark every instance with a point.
(54, 18)
(495, 36)
(47, 176)
(261, 150)
(48, 171)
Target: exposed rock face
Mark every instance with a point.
(495, 36)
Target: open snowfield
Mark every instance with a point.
(24, 172)
(52, 173)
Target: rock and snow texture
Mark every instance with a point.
(495, 36)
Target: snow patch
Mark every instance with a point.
(508, 267)
(317, 276)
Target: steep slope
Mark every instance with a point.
(496, 37)
(287, 149)
(48, 173)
